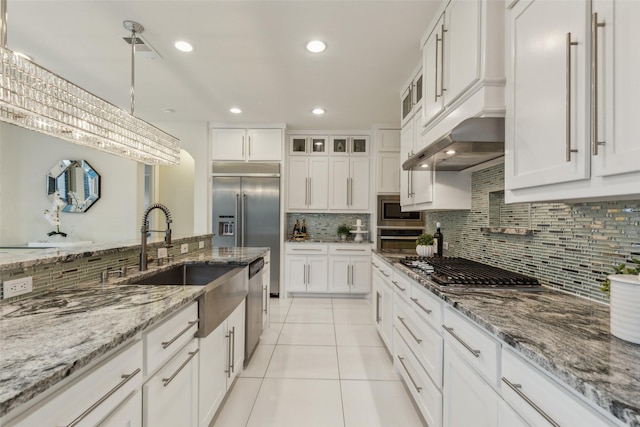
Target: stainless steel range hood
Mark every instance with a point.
(473, 141)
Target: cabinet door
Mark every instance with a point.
(468, 400)
(296, 273)
(339, 183)
(462, 44)
(406, 138)
(339, 146)
(298, 145)
(236, 325)
(507, 417)
(618, 91)
(339, 274)
(264, 144)
(359, 146)
(388, 176)
(422, 179)
(318, 183)
(228, 144)
(359, 183)
(128, 413)
(298, 188)
(170, 397)
(213, 379)
(546, 111)
(318, 145)
(387, 140)
(361, 274)
(433, 57)
(317, 274)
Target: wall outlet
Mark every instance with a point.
(162, 252)
(200, 245)
(15, 287)
(445, 246)
(184, 248)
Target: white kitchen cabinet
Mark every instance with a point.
(246, 144)
(93, 396)
(381, 274)
(411, 96)
(507, 417)
(308, 181)
(302, 145)
(350, 268)
(416, 186)
(570, 127)
(306, 267)
(433, 54)
(388, 172)
(170, 396)
(349, 146)
(387, 140)
(349, 183)
(221, 360)
(127, 414)
(467, 399)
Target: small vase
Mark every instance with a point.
(343, 237)
(625, 306)
(424, 250)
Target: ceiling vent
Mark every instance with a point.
(143, 48)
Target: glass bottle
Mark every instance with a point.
(438, 237)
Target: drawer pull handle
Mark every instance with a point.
(125, 379)
(192, 354)
(476, 353)
(398, 286)
(426, 310)
(384, 274)
(401, 319)
(401, 359)
(306, 250)
(166, 344)
(516, 388)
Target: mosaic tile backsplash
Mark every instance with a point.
(323, 226)
(573, 247)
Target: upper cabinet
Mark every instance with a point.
(571, 101)
(246, 144)
(387, 151)
(463, 59)
(308, 145)
(411, 96)
(349, 146)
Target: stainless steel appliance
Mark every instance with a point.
(397, 230)
(460, 273)
(246, 209)
(253, 313)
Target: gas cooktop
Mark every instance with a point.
(463, 273)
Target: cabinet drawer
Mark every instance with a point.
(167, 338)
(424, 341)
(93, 396)
(553, 402)
(427, 306)
(306, 249)
(476, 347)
(350, 250)
(401, 287)
(426, 395)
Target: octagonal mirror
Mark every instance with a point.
(76, 183)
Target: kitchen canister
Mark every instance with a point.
(625, 307)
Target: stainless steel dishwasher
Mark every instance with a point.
(253, 314)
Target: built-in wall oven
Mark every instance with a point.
(397, 230)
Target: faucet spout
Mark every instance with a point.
(145, 229)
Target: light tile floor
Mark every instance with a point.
(320, 364)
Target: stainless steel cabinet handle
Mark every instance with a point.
(306, 191)
(594, 83)
(476, 353)
(384, 274)
(398, 286)
(401, 319)
(351, 192)
(308, 274)
(166, 344)
(243, 146)
(167, 381)
(426, 310)
(516, 388)
(347, 191)
(442, 88)
(249, 138)
(125, 379)
(266, 300)
(378, 297)
(569, 150)
(228, 370)
(310, 193)
(351, 250)
(306, 250)
(374, 264)
(418, 388)
(435, 79)
(233, 349)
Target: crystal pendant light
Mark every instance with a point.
(34, 98)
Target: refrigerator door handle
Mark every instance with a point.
(235, 232)
(244, 215)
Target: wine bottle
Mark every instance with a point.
(303, 230)
(296, 228)
(439, 240)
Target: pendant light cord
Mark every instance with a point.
(3, 35)
(133, 69)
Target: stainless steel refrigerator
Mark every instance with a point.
(246, 209)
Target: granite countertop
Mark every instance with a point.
(46, 338)
(566, 335)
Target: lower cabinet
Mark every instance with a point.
(221, 359)
(382, 306)
(170, 396)
(350, 269)
(306, 273)
(127, 414)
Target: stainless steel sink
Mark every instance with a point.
(225, 287)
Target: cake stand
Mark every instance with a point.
(358, 232)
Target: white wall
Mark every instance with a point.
(25, 159)
(176, 193)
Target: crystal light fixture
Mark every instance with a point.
(34, 98)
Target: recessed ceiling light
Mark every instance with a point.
(169, 110)
(424, 166)
(316, 46)
(318, 111)
(450, 152)
(235, 110)
(183, 46)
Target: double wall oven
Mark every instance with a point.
(397, 230)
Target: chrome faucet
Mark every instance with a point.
(145, 229)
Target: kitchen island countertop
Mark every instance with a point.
(566, 335)
(46, 338)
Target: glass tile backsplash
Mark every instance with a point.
(323, 226)
(573, 248)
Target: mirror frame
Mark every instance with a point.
(62, 173)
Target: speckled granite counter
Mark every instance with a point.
(566, 335)
(45, 339)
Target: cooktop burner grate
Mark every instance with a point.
(464, 272)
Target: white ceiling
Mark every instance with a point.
(248, 54)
